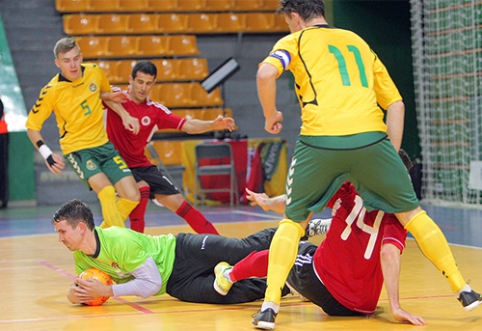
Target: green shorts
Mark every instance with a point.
(376, 170)
(91, 161)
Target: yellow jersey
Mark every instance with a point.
(339, 81)
(77, 107)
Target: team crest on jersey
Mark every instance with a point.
(91, 165)
(146, 120)
(92, 87)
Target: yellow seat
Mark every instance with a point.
(72, 6)
(200, 98)
(183, 45)
(110, 70)
(142, 23)
(271, 5)
(162, 5)
(220, 5)
(104, 5)
(167, 69)
(92, 46)
(133, 5)
(113, 23)
(123, 46)
(231, 22)
(248, 5)
(171, 23)
(201, 23)
(191, 5)
(193, 68)
(79, 24)
(172, 95)
(152, 45)
(259, 22)
(280, 24)
(124, 70)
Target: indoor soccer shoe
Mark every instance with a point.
(222, 285)
(264, 319)
(318, 226)
(470, 300)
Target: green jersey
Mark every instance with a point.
(120, 251)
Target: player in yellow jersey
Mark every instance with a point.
(74, 95)
(340, 82)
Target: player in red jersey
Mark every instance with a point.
(153, 116)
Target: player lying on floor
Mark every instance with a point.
(144, 265)
(344, 274)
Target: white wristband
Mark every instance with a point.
(45, 151)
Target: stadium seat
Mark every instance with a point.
(172, 95)
(171, 23)
(110, 70)
(271, 5)
(201, 23)
(248, 5)
(80, 24)
(259, 22)
(200, 98)
(162, 5)
(72, 6)
(231, 22)
(280, 24)
(152, 45)
(113, 24)
(191, 5)
(122, 46)
(169, 151)
(142, 23)
(124, 70)
(167, 69)
(104, 5)
(133, 5)
(220, 5)
(193, 68)
(183, 45)
(92, 46)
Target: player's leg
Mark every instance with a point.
(137, 216)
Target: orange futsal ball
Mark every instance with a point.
(101, 277)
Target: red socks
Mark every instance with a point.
(136, 217)
(195, 219)
(253, 265)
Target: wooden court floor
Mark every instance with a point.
(36, 271)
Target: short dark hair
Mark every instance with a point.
(144, 66)
(74, 212)
(307, 9)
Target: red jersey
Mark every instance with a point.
(348, 260)
(152, 116)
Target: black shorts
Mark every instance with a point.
(158, 182)
(303, 279)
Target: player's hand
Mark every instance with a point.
(258, 199)
(273, 124)
(90, 288)
(404, 316)
(223, 123)
(55, 164)
(131, 123)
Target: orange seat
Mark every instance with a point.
(172, 94)
(104, 5)
(200, 98)
(72, 6)
(133, 5)
(220, 5)
(171, 23)
(124, 70)
(259, 22)
(113, 24)
(248, 5)
(142, 23)
(152, 45)
(92, 46)
(122, 46)
(79, 24)
(280, 24)
(162, 5)
(201, 23)
(110, 70)
(191, 5)
(271, 5)
(183, 45)
(193, 69)
(167, 70)
(231, 22)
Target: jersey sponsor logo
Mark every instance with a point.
(90, 165)
(92, 87)
(75, 166)
(146, 120)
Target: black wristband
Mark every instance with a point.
(40, 143)
(50, 160)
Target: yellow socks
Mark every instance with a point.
(434, 246)
(108, 203)
(282, 256)
(125, 207)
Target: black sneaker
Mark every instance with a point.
(470, 300)
(264, 319)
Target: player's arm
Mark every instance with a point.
(192, 126)
(395, 120)
(276, 204)
(114, 100)
(391, 265)
(55, 163)
(266, 85)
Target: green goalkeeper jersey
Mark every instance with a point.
(120, 251)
